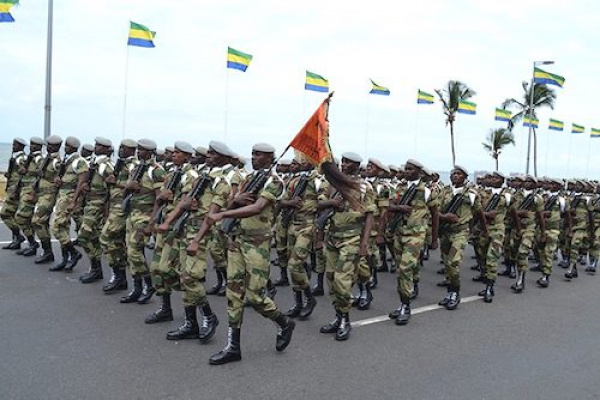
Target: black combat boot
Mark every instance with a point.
(283, 278)
(223, 289)
(148, 290)
(582, 259)
(135, 294)
(74, 257)
(30, 250)
(507, 268)
(47, 255)
(209, 324)
(415, 292)
(343, 331)
(544, 281)
(365, 299)
(373, 282)
(488, 296)
(164, 313)
(565, 262)
(572, 272)
(231, 352)
(17, 239)
(189, 329)
(285, 328)
(297, 307)
(217, 286)
(94, 274)
(117, 281)
(446, 299)
(513, 270)
(63, 263)
(271, 290)
(318, 289)
(309, 305)
(333, 325)
(519, 285)
(591, 268)
(453, 299)
(383, 265)
(403, 312)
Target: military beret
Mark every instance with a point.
(160, 152)
(147, 144)
(88, 147)
(414, 163)
(530, 178)
(556, 180)
(21, 141)
(54, 139)
(102, 141)
(184, 147)
(201, 150)
(220, 148)
(263, 148)
(499, 174)
(242, 160)
(402, 167)
(393, 167)
(427, 171)
(352, 157)
(336, 160)
(296, 160)
(285, 161)
(170, 149)
(132, 144)
(461, 169)
(379, 164)
(234, 155)
(37, 140)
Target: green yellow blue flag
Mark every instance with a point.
(577, 128)
(543, 77)
(530, 122)
(502, 115)
(238, 60)
(377, 89)
(466, 107)
(556, 125)
(595, 133)
(140, 36)
(5, 6)
(316, 83)
(424, 97)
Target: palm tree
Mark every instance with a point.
(454, 92)
(543, 96)
(496, 140)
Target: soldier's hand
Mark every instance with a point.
(543, 238)
(57, 181)
(452, 218)
(337, 203)
(243, 199)
(380, 239)
(70, 208)
(363, 250)
(22, 171)
(490, 215)
(213, 218)
(162, 228)
(192, 248)
(193, 204)
(149, 230)
(110, 179)
(434, 244)
(34, 197)
(405, 209)
(85, 187)
(167, 195)
(132, 186)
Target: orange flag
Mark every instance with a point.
(313, 139)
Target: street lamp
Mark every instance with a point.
(530, 113)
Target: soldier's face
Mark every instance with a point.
(143, 154)
(53, 148)
(35, 147)
(495, 181)
(349, 167)
(70, 149)
(215, 159)
(457, 178)
(294, 167)
(411, 172)
(168, 156)
(372, 170)
(529, 184)
(17, 147)
(261, 160)
(179, 157)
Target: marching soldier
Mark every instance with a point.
(11, 203)
(595, 235)
(87, 152)
(198, 161)
(554, 208)
(286, 170)
(578, 211)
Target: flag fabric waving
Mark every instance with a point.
(238, 60)
(424, 97)
(377, 89)
(502, 115)
(5, 6)
(316, 83)
(577, 128)
(595, 133)
(543, 77)
(530, 122)
(466, 107)
(313, 139)
(140, 36)
(556, 125)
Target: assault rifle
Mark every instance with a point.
(404, 201)
(19, 186)
(253, 187)
(90, 177)
(41, 172)
(61, 171)
(451, 208)
(12, 163)
(299, 190)
(550, 203)
(527, 202)
(197, 191)
(326, 214)
(493, 203)
(171, 185)
(137, 177)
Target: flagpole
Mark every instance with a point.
(48, 100)
(226, 104)
(546, 160)
(367, 127)
(569, 155)
(125, 92)
(587, 168)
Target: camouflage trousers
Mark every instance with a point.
(61, 226)
(299, 240)
(363, 270)
(193, 269)
(91, 227)
(508, 245)
(247, 275)
(492, 251)
(164, 276)
(579, 240)
(25, 211)
(42, 214)
(595, 246)
(281, 244)
(78, 213)
(480, 243)
(112, 237)
(408, 247)
(452, 245)
(342, 257)
(217, 247)
(320, 253)
(136, 242)
(548, 249)
(524, 245)
(8, 212)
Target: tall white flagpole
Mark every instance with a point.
(48, 101)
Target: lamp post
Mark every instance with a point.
(530, 110)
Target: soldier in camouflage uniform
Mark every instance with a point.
(95, 191)
(199, 158)
(87, 152)
(27, 195)
(410, 235)
(554, 207)
(248, 257)
(165, 266)
(459, 206)
(346, 242)
(75, 172)
(112, 237)
(578, 211)
(11, 203)
(595, 235)
(286, 170)
(46, 197)
(298, 212)
(145, 181)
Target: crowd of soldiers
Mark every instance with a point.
(191, 203)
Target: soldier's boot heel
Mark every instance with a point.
(47, 255)
(74, 257)
(135, 294)
(94, 274)
(17, 239)
(572, 272)
(232, 351)
(283, 278)
(117, 282)
(403, 315)
(215, 289)
(488, 296)
(189, 329)
(544, 281)
(343, 331)
(147, 292)
(209, 324)
(62, 264)
(333, 325)
(297, 307)
(31, 250)
(285, 328)
(318, 289)
(309, 306)
(164, 313)
(366, 298)
(519, 285)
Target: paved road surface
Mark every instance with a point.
(60, 339)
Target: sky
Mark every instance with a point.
(181, 90)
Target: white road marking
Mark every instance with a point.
(420, 310)
(10, 241)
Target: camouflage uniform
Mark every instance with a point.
(11, 203)
(27, 197)
(579, 206)
(46, 197)
(555, 205)
(595, 242)
(528, 228)
(368, 265)
(493, 243)
(77, 214)
(281, 235)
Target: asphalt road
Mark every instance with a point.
(60, 339)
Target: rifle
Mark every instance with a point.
(12, 163)
(171, 185)
(299, 190)
(451, 207)
(137, 177)
(255, 185)
(493, 203)
(326, 214)
(197, 191)
(41, 172)
(90, 177)
(19, 186)
(404, 201)
(61, 171)
(527, 202)
(550, 202)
